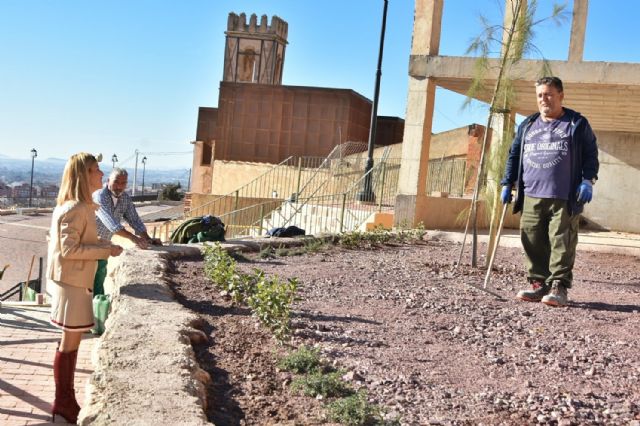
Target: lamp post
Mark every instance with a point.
(114, 160)
(367, 195)
(34, 154)
(144, 168)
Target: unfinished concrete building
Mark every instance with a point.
(607, 93)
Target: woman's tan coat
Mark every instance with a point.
(74, 247)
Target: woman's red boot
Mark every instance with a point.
(65, 404)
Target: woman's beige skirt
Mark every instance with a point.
(71, 307)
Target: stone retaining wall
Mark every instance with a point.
(145, 371)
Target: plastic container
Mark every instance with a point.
(101, 307)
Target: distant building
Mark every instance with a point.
(259, 120)
(5, 190)
(21, 190)
(49, 191)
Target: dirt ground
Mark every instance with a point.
(428, 347)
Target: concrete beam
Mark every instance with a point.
(578, 29)
(584, 73)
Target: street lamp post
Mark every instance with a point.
(114, 160)
(34, 154)
(367, 195)
(144, 168)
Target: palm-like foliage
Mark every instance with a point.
(511, 44)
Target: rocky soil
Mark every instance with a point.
(428, 346)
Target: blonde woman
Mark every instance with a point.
(74, 250)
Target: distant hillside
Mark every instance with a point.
(50, 171)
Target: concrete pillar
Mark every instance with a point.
(411, 199)
(578, 28)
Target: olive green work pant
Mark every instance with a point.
(549, 237)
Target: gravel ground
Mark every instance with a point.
(428, 346)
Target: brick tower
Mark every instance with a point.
(254, 53)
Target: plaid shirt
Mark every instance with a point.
(109, 217)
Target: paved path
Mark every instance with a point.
(27, 346)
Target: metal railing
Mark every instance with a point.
(298, 182)
(447, 175)
(25, 290)
(37, 202)
(323, 213)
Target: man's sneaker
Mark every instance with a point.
(535, 294)
(557, 296)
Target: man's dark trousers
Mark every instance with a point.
(549, 237)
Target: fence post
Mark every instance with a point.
(384, 173)
(451, 175)
(299, 178)
(344, 203)
(261, 219)
(235, 207)
(464, 177)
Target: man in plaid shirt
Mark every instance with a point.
(116, 205)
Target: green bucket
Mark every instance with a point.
(101, 306)
(29, 295)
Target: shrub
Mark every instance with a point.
(351, 239)
(355, 410)
(357, 239)
(313, 245)
(221, 270)
(270, 299)
(303, 360)
(319, 383)
(266, 252)
(270, 302)
(411, 234)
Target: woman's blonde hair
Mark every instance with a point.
(75, 179)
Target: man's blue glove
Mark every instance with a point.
(585, 191)
(506, 196)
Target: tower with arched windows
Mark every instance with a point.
(254, 53)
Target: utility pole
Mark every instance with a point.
(135, 175)
(367, 194)
(34, 154)
(144, 168)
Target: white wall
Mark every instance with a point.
(616, 195)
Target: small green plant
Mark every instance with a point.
(270, 299)
(282, 251)
(406, 234)
(270, 302)
(301, 361)
(314, 245)
(355, 239)
(266, 252)
(319, 383)
(351, 240)
(221, 270)
(355, 410)
(380, 235)
(239, 256)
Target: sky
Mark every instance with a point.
(116, 76)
